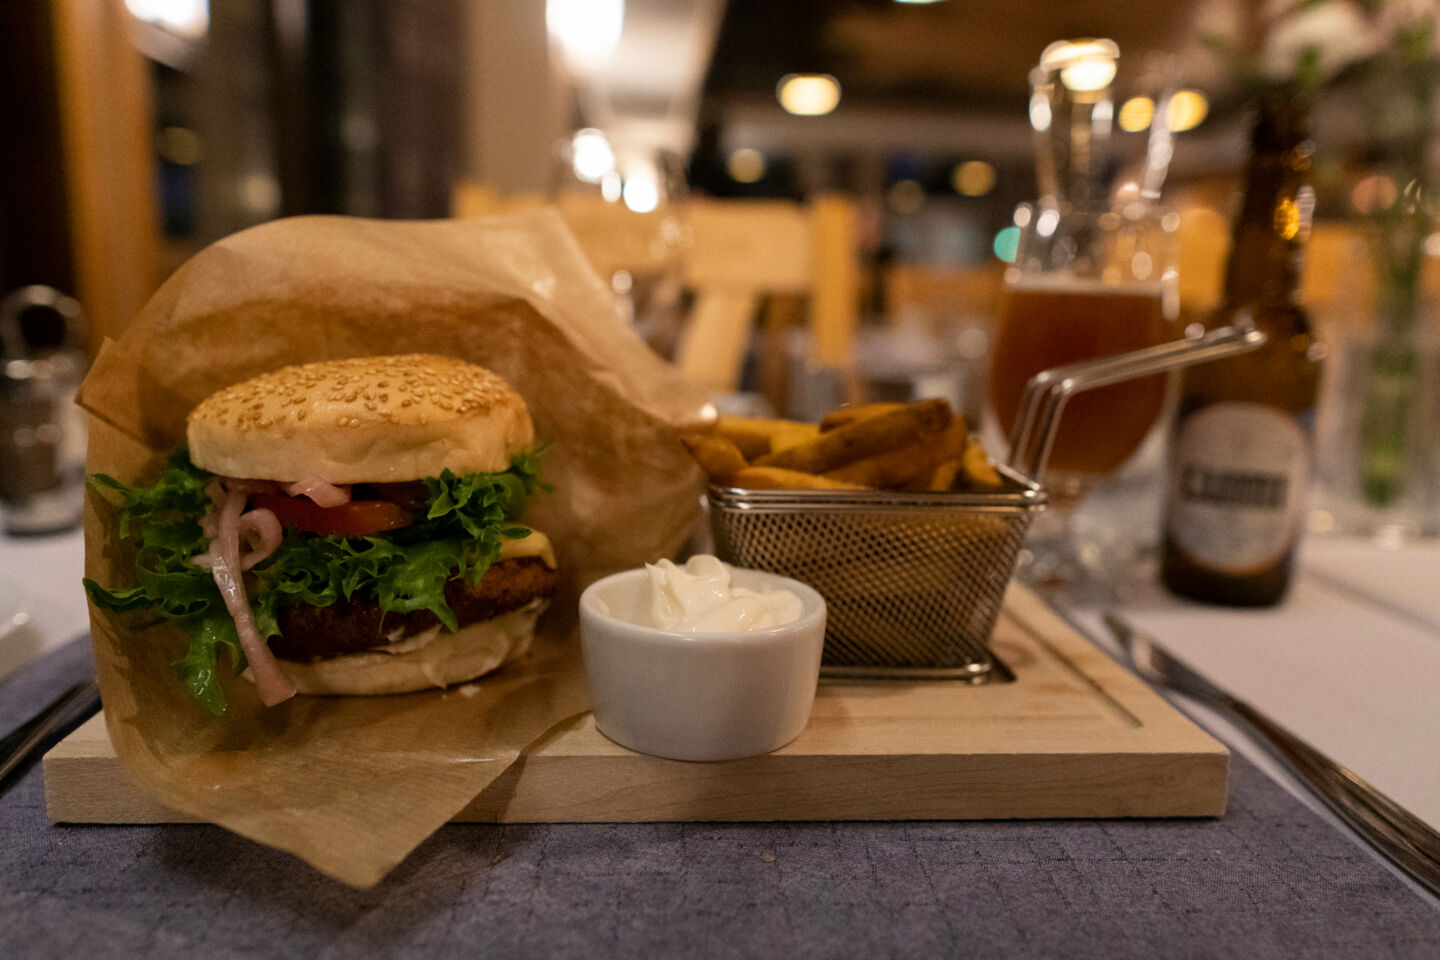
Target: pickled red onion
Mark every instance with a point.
(323, 493)
(270, 680)
(267, 525)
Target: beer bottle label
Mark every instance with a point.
(1238, 486)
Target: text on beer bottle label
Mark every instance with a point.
(1238, 486)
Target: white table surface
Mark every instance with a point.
(1350, 662)
(42, 604)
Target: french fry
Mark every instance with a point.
(953, 443)
(756, 437)
(849, 413)
(793, 435)
(977, 473)
(941, 477)
(919, 446)
(778, 478)
(863, 438)
(901, 467)
(717, 456)
(890, 470)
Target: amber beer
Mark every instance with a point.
(1055, 321)
(1241, 450)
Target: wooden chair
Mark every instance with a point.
(941, 293)
(743, 251)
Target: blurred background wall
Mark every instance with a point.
(146, 129)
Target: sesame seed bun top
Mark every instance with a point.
(363, 420)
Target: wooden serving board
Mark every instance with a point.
(1074, 735)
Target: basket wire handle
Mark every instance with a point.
(1048, 391)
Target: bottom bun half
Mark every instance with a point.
(447, 659)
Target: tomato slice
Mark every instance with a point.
(358, 518)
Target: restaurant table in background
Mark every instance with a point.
(1270, 879)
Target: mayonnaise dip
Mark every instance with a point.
(699, 598)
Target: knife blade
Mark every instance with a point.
(1403, 839)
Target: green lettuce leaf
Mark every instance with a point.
(199, 668)
(465, 520)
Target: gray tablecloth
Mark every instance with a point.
(1268, 880)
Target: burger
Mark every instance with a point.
(343, 527)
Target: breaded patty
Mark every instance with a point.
(310, 632)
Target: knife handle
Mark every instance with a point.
(65, 711)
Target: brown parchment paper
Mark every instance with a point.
(352, 785)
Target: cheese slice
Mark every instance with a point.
(534, 544)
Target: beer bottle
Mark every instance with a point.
(1240, 457)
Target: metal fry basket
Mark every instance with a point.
(913, 582)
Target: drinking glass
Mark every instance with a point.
(1087, 282)
(625, 203)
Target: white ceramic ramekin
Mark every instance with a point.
(699, 696)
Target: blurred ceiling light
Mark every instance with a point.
(642, 192)
(178, 145)
(746, 165)
(591, 155)
(1085, 65)
(1086, 76)
(1136, 113)
(1187, 110)
(588, 31)
(184, 18)
(973, 178)
(808, 94)
(905, 197)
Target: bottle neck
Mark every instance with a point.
(1274, 222)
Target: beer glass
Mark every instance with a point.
(1087, 282)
